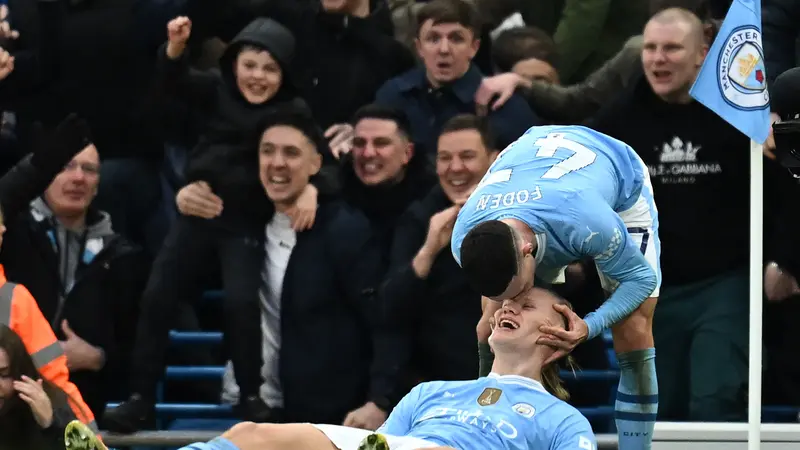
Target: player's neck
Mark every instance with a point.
(523, 229)
(528, 367)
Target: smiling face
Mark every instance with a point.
(461, 161)
(258, 75)
(287, 160)
(380, 151)
(516, 324)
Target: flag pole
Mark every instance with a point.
(756, 285)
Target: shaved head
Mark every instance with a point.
(681, 17)
(673, 50)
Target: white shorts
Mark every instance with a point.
(346, 438)
(641, 220)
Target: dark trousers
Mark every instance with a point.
(192, 249)
(701, 337)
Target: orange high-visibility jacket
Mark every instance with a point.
(20, 312)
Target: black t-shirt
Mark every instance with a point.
(699, 167)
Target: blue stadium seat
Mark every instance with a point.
(195, 337)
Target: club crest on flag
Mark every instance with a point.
(742, 78)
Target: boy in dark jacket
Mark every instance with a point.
(252, 82)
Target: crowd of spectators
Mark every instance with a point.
(308, 158)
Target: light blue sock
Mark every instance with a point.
(637, 399)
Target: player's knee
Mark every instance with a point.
(263, 435)
(241, 427)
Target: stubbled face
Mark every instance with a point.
(72, 190)
(536, 70)
(461, 161)
(287, 160)
(380, 152)
(447, 50)
(516, 324)
(671, 57)
(258, 75)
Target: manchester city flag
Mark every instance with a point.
(732, 81)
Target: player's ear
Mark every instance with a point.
(527, 249)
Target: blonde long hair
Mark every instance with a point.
(551, 379)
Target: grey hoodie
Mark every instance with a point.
(72, 247)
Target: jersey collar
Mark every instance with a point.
(519, 380)
(541, 246)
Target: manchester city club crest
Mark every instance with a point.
(524, 410)
(741, 74)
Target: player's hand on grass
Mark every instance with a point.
(564, 340)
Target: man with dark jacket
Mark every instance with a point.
(254, 80)
(328, 357)
(86, 287)
(424, 273)
(384, 173)
(447, 41)
(85, 277)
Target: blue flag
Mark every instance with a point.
(733, 81)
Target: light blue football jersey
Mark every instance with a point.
(496, 412)
(568, 183)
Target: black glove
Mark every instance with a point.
(56, 148)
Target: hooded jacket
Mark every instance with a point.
(226, 156)
(92, 278)
(340, 60)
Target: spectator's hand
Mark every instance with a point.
(197, 199)
(563, 340)
(368, 417)
(341, 136)
(304, 210)
(178, 31)
(80, 354)
(32, 393)
(503, 86)
(440, 229)
(778, 285)
(5, 28)
(769, 145)
(6, 64)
